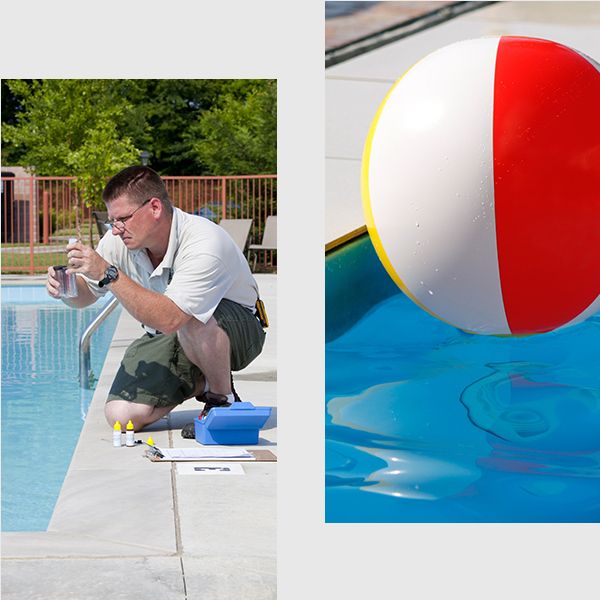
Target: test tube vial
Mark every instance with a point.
(71, 279)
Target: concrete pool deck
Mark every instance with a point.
(125, 527)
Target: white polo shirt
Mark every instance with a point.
(202, 266)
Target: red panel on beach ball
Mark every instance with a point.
(546, 182)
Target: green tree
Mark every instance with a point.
(92, 128)
(170, 109)
(71, 127)
(239, 135)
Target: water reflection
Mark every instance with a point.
(524, 404)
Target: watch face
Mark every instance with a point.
(111, 274)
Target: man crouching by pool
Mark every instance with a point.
(189, 285)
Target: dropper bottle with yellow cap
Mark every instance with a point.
(117, 435)
(129, 441)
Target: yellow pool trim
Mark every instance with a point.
(344, 239)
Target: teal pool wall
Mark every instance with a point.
(355, 280)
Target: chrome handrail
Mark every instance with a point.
(86, 339)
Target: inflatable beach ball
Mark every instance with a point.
(481, 185)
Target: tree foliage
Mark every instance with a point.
(170, 109)
(92, 128)
(70, 127)
(239, 136)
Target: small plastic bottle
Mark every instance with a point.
(117, 435)
(129, 440)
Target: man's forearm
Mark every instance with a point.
(148, 307)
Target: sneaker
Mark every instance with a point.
(210, 400)
(203, 397)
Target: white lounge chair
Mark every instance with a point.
(269, 240)
(238, 229)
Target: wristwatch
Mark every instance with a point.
(111, 274)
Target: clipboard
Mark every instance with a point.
(255, 456)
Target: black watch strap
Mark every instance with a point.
(111, 274)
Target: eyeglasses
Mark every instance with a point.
(120, 222)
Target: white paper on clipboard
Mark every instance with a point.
(205, 453)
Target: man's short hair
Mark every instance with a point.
(138, 183)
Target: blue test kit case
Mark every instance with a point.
(231, 425)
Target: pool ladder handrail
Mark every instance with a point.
(85, 342)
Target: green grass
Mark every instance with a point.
(11, 262)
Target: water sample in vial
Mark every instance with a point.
(68, 282)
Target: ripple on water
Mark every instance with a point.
(482, 428)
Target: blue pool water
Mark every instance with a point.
(425, 423)
(43, 407)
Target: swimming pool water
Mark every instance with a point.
(43, 407)
(425, 423)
